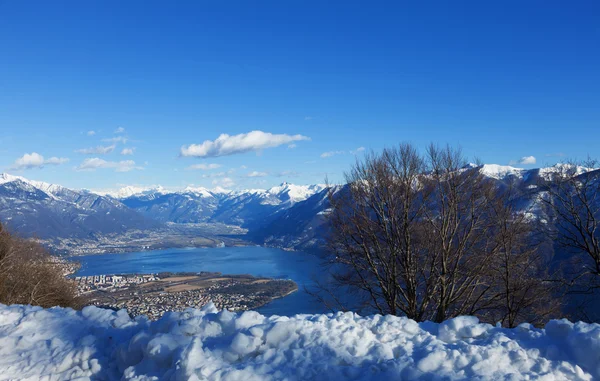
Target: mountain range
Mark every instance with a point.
(288, 216)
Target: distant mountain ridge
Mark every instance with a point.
(288, 216)
(45, 210)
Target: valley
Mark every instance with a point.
(288, 216)
(169, 236)
(81, 222)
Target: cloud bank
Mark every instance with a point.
(257, 174)
(118, 139)
(327, 154)
(525, 160)
(331, 153)
(94, 163)
(225, 182)
(35, 160)
(226, 145)
(203, 167)
(99, 150)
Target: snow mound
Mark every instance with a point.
(206, 344)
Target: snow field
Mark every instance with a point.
(206, 344)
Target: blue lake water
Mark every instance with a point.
(258, 261)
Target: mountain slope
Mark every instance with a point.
(48, 211)
(288, 216)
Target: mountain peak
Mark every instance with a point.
(130, 190)
(7, 178)
(501, 171)
(200, 191)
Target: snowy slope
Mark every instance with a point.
(131, 190)
(35, 208)
(47, 188)
(62, 344)
(500, 172)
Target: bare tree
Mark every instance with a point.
(518, 271)
(458, 224)
(431, 238)
(573, 201)
(376, 232)
(411, 233)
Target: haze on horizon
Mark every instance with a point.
(103, 95)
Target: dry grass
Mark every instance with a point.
(179, 278)
(28, 277)
(183, 287)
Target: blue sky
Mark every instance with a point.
(504, 80)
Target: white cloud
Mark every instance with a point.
(525, 160)
(204, 167)
(308, 118)
(127, 151)
(29, 160)
(225, 182)
(218, 174)
(230, 145)
(257, 174)
(331, 153)
(528, 160)
(292, 146)
(91, 164)
(119, 130)
(288, 174)
(91, 133)
(56, 160)
(118, 139)
(243, 167)
(35, 160)
(358, 150)
(99, 150)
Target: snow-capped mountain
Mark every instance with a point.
(189, 206)
(288, 215)
(47, 211)
(130, 190)
(195, 204)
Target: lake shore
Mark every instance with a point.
(155, 294)
(258, 261)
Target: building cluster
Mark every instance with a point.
(154, 305)
(153, 299)
(67, 267)
(108, 282)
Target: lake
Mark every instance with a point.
(254, 260)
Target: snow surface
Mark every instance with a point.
(47, 188)
(500, 172)
(131, 190)
(63, 344)
(564, 168)
(199, 191)
(290, 193)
